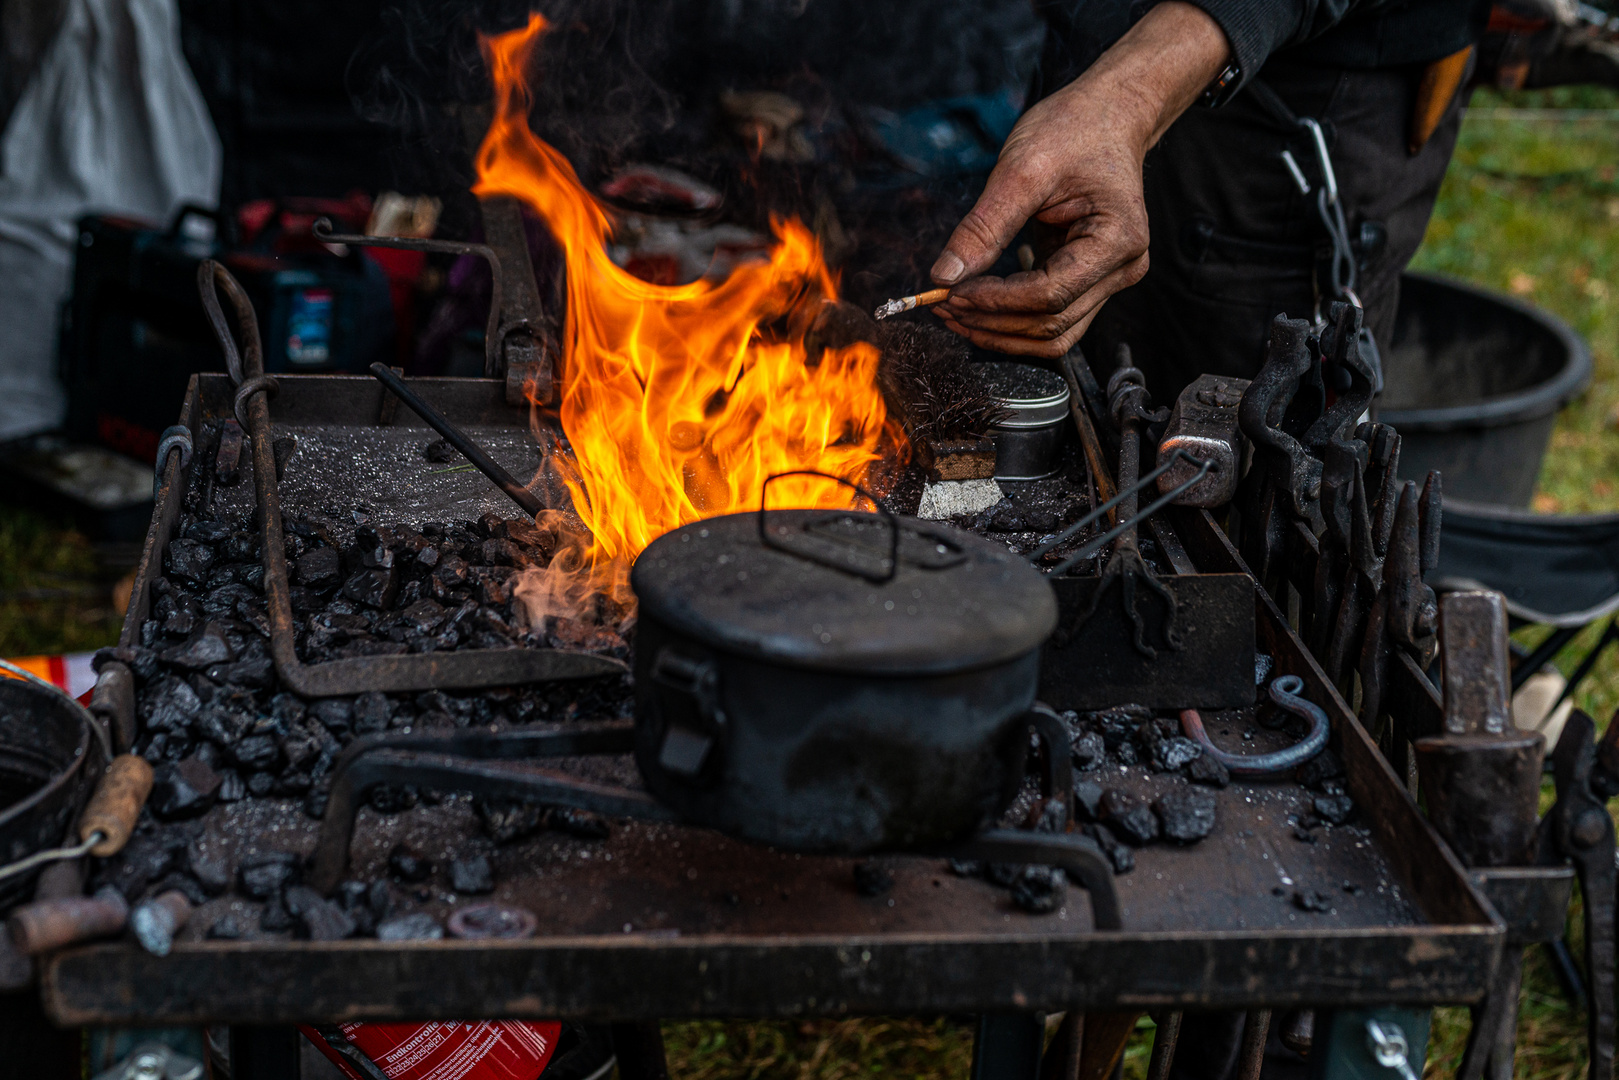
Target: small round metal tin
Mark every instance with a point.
(1028, 441)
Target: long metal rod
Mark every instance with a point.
(1067, 533)
(453, 435)
(1122, 527)
(1251, 1058)
(1163, 1045)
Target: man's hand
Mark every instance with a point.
(1073, 162)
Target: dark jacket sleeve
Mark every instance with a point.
(1257, 28)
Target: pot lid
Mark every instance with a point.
(816, 592)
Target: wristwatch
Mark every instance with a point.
(1224, 86)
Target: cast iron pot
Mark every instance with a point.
(834, 680)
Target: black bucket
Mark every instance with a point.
(44, 744)
(1473, 382)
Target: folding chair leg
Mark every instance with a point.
(1536, 660)
(1609, 635)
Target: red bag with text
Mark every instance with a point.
(448, 1050)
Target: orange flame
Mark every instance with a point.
(678, 401)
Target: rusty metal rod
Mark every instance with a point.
(1251, 1059)
(1163, 1045)
(453, 435)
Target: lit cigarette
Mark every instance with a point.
(906, 303)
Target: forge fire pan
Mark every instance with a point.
(669, 921)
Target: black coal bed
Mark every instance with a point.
(1277, 905)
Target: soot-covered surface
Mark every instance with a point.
(1268, 861)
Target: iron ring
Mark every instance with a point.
(266, 383)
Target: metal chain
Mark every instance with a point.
(1388, 1045)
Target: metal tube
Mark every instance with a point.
(453, 435)
(1251, 1059)
(1163, 1045)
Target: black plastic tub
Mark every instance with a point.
(1473, 382)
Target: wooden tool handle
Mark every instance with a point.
(50, 924)
(116, 803)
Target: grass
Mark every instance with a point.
(55, 592)
(1530, 206)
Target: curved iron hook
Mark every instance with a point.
(176, 437)
(1285, 693)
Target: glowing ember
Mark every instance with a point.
(678, 401)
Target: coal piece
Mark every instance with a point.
(1002, 874)
(1116, 725)
(275, 917)
(373, 587)
(967, 868)
(318, 568)
(1334, 809)
(1134, 822)
(318, 919)
(1039, 889)
(1311, 900)
(1089, 751)
(1052, 816)
(207, 532)
(226, 928)
(188, 560)
(144, 860)
(1174, 753)
(265, 875)
(406, 866)
(335, 714)
(870, 879)
(371, 713)
(206, 647)
(1318, 770)
(1120, 855)
(474, 876)
(169, 705)
(209, 868)
(183, 789)
(255, 752)
(1185, 814)
(1209, 772)
(1087, 800)
(394, 798)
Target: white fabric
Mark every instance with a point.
(112, 122)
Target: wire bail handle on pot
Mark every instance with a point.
(827, 551)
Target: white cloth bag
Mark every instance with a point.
(111, 122)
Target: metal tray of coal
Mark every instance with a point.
(1272, 908)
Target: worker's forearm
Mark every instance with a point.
(1157, 70)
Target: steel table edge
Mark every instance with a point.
(739, 975)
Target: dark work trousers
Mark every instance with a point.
(1235, 243)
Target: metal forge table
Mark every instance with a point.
(669, 922)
